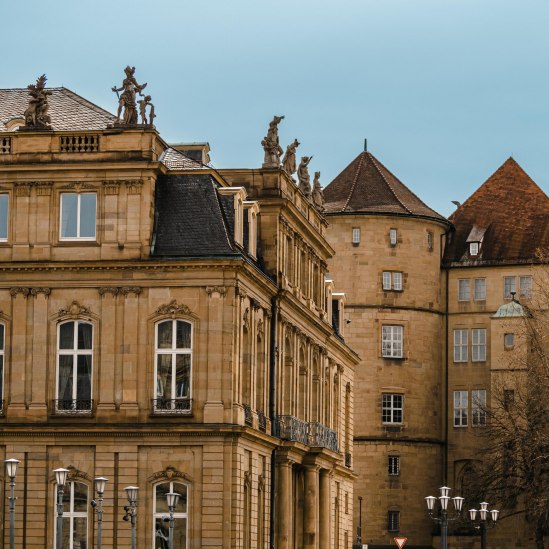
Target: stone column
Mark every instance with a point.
(285, 505)
(324, 529)
(311, 527)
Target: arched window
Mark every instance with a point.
(74, 367)
(75, 516)
(161, 513)
(173, 366)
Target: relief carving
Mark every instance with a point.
(24, 291)
(130, 290)
(170, 473)
(36, 291)
(221, 290)
(74, 309)
(108, 290)
(111, 187)
(173, 308)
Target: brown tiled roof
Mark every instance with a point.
(176, 160)
(68, 111)
(367, 186)
(511, 209)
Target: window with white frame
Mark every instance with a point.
(173, 365)
(509, 341)
(75, 516)
(461, 407)
(392, 341)
(478, 407)
(509, 286)
(480, 289)
(3, 217)
(2, 333)
(460, 345)
(393, 521)
(356, 235)
(473, 248)
(74, 366)
(394, 466)
(478, 344)
(464, 289)
(392, 408)
(78, 216)
(525, 286)
(161, 513)
(393, 237)
(392, 280)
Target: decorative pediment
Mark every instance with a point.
(78, 186)
(74, 309)
(173, 308)
(169, 473)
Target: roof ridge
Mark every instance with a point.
(354, 182)
(375, 162)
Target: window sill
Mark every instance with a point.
(72, 243)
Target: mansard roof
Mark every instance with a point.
(367, 186)
(176, 160)
(68, 111)
(511, 215)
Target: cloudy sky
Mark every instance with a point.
(444, 90)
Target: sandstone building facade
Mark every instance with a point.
(166, 325)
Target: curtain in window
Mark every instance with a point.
(69, 213)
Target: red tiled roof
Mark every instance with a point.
(367, 186)
(511, 209)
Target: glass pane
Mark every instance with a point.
(183, 335)
(80, 533)
(80, 497)
(1, 337)
(164, 376)
(181, 489)
(69, 204)
(180, 534)
(64, 386)
(66, 335)
(161, 501)
(3, 216)
(165, 335)
(84, 335)
(87, 215)
(182, 379)
(161, 533)
(83, 381)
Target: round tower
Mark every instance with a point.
(388, 254)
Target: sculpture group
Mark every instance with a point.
(127, 101)
(36, 115)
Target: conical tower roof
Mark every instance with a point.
(509, 214)
(367, 186)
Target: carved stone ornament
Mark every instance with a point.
(75, 474)
(173, 308)
(303, 176)
(170, 473)
(288, 162)
(127, 99)
(134, 186)
(221, 290)
(36, 291)
(271, 145)
(111, 187)
(36, 115)
(43, 188)
(260, 328)
(104, 290)
(318, 195)
(74, 309)
(247, 478)
(246, 318)
(22, 189)
(143, 104)
(78, 186)
(136, 290)
(24, 291)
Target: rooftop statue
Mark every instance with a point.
(143, 104)
(303, 176)
(271, 146)
(288, 162)
(318, 195)
(36, 115)
(126, 100)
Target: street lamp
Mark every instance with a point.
(487, 519)
(60, 479)
(11, 470)
(100, 483)
(172, 504)
(131, 509)
(358, 544)
(443, 518)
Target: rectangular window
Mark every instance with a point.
(393, 521)
(478, 407)
(460, 408)
(356, 235)
(525, 286)
(386, 280)
(3, 217)
(397, 281)
(473, 248)
(460, 345)
(480, 289)
(1, 367)
(430, 241)
(478, 344)
(509, 286)
(509, 341)
(392, 408)
(464, 289)
(78, 216)
(394, 466)
(391, 341)
(393, 237)
(392, 280)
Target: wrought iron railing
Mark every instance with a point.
(76, 407)
(261, 421)
(172, 406)
(248, 418)
(311, 434)
(2, 408)
(320, 435)
(348, 459)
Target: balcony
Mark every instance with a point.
(248, 418)
(172, 406)
(310, 433)
(348, 460)
(72, 407)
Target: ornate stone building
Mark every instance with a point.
(165, 325)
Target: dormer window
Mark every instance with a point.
(252, 211)
(474, 248)
(239, 196)
(474, 240)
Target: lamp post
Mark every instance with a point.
(131, 509)
(358, 543)
(100, 483)
(487, 519)
(172, 504)
(11, 470)
(60, 479)
(443, 518)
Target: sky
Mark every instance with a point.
(443, 90)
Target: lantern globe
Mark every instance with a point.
(100, 483)
(131, 493)
(61, 476)
(11, 467)
(172, 498)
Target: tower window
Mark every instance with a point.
(356, 235)
(393, 237)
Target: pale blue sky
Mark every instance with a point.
(444, 90)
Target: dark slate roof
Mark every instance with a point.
(176, 160)
(510, 212)
(68, 111)
(367, 186)
(189, 219)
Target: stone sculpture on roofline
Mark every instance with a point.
(36, 115)
(271, 145)
(127, 101)
(318, 194)
(288, 162)
(303, 176)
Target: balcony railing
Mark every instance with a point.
(348, 460)
(309, 433)
(248, 418)
(2, 408)
(172, 406)
(261, 421)
(73, 407)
